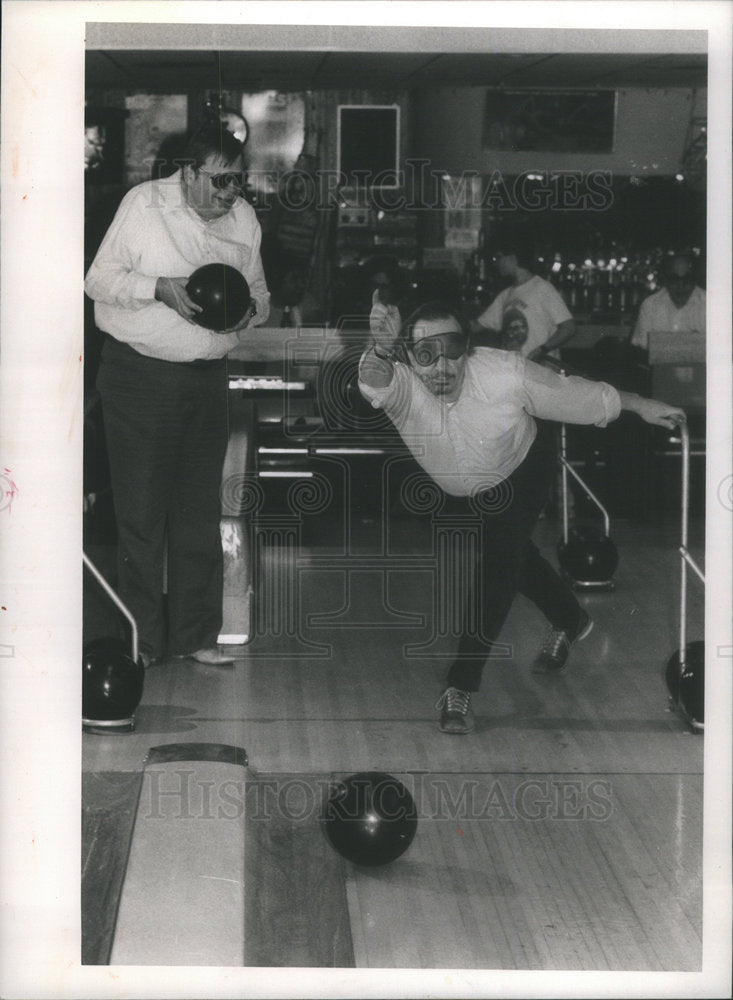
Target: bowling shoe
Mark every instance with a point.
(555, 651)
(456, 716)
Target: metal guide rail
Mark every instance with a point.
(686, 561)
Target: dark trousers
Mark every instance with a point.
(166, 428)
(508, 561)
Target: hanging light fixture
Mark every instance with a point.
(231, 119)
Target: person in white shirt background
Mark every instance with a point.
(162, 382)
(549, 321)
(678, 307)
(478, 421)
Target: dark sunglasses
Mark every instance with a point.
(450, 345)
(222, 181)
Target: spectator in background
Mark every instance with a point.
(678, 307)
(291, 304)
(547, 318)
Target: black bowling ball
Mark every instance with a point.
(687, 689)
(112, 683)
(106, 644)
(370, 818)
(589, 556)
(223, 294)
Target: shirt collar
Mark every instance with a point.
(171, 194)
(172, 200)
(693, 297)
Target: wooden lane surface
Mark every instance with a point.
(539, 872)
(618, 894)
(363, 704)
(109, 805)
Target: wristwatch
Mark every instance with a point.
(387, 355)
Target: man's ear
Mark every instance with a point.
(188, 173)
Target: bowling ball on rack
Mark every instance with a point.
(687, 688)
(112, 683)
(370, 818)
(223, 294)
(106, 643)
(589, 555)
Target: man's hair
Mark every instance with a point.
(211, 139)
(435, 309)
(519, 244)
(687, 257)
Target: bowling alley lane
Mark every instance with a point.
(541, 871)
(564, 833)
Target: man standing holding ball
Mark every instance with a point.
(162, 380)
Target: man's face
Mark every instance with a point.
(212, 190)
(506, 264)
(443, 376)
(680, 283)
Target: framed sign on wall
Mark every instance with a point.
(570, 121)
(368, 145)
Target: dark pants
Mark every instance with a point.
(166, 428)
(508, 561)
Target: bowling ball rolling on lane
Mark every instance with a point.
(223, 294)
(370, 818)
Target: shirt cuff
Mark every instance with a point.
(143, 286)
(611, 404)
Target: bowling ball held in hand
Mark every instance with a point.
(223, 294)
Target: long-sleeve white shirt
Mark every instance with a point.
(156, 234)
(482, 437)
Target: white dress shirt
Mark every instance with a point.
(482, 437)
(156, 234)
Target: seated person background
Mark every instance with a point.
(291, 304)
(678, 307)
